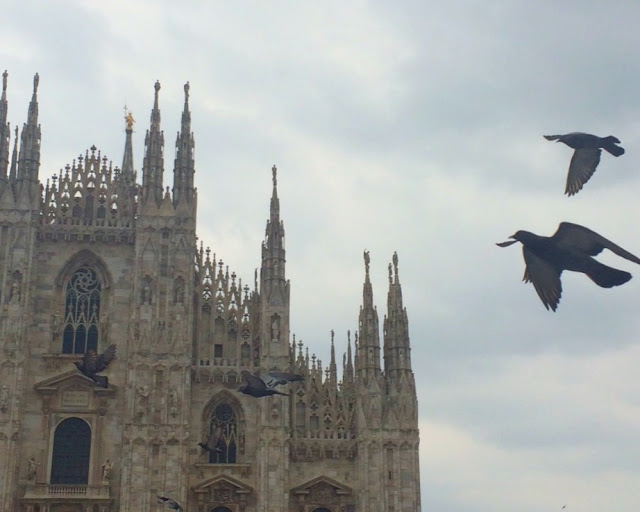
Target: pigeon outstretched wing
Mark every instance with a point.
(104, 359)
(273, 379)
(170, 503)
(544, 277)
(583, 165)
(574, 236)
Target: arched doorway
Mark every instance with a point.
(221, 509)
(71, 451)
(321, 509)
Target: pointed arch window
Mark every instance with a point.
(82, 312)
(224, 417)
(71, 451)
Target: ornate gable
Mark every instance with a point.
(223, 489)
(73, 391)
(323, 491)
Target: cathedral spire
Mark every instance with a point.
(274, 287)
(5, 130)
(397, 348)
(369, 336)
(153, 163)
(184, 169)
(333, 370)
(29, 157)
(273, 252)
(126, 172)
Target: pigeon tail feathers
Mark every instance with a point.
(101, 380)
(609, 144)
(607, 277)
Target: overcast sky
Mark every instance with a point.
(402, 126)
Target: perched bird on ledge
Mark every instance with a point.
(570, 248)
(586, 156)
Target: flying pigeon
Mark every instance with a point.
(212, 441)
(265, 384)
(586, 156)
(170, 503)
(92, 364)
(570, 248)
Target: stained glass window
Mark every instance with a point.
(224, 417)
(82, 312)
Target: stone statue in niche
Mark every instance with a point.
(143, 400)
(32, 469)
(146, 293)
(107, 468)
(4, 398)
(55, 325)
(173, 403)
(15, 292)
(275, 328)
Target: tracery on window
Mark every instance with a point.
(82, 312)
(224, 417)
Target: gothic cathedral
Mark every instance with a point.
(89, 257)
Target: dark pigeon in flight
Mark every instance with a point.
(170, 503)
(265, 384)
(212, 441)
(586, 156)
(570, 248)
(92, 364)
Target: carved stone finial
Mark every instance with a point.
(186, 92)
(4, 80)
(36, 81)
(367, 260)
(395, 264)
(157, 86)
(274, 172)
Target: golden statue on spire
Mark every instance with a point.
(128, 117)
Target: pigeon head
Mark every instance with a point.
(243, 388)
(78, 365)
(518, 236)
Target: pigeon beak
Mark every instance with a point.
(507, 243)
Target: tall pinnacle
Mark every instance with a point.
(275, 202)
(29, 158)
(396, 326)
(184, 169)
(5, 130)
(369, 336)
(127, 173)
(153, 164)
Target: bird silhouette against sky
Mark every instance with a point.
(170, 503)
(572, 247)
(212, 441)
(586, 156)
(92, 364)
(265, 384)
